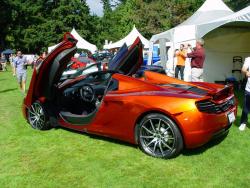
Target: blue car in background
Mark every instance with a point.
(123, 51)
(155, 57)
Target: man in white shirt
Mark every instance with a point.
(246, 106)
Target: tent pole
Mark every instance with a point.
(163, 52)
(150, 53)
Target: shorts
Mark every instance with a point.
(21, 77)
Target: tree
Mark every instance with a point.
(5, 22)
(33, 25)
(38, 26)
(239, 4)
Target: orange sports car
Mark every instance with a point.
(160, 114)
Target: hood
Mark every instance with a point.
(128, 62)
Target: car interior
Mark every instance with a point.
(79, 96)
(84, 97)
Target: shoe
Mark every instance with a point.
(242, 127)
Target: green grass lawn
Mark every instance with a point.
(60, 158)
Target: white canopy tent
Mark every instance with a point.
(203, 23)
(81, 44)
(129, 39)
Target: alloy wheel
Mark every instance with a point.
(36, 115)
(159, 136)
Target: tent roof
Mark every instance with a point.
(209, 11)
(129, 39)
(240, 16)
(8, 51)
(81, 44)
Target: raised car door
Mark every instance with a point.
(49, 71)
(129, 61)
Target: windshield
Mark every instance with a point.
(73, 73)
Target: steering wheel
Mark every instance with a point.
(87, 93)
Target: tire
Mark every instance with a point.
(37, 117)
(158, 136)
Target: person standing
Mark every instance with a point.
(197, 61)
(246, 106)
(3, 62)
(40, 59)
(12, 57)
(181, 57)
(20, 69)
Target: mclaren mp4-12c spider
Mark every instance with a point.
(160, 114)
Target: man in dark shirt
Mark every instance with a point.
(197, 61)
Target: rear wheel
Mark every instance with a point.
(37, 116)
(159, 136)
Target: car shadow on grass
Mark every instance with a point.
(7, 90)
(205, 147)
(99, 137)
(185, 152)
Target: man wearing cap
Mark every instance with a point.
(197, 61)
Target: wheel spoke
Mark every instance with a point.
(33, 109)
(166, 130)
(38, 109)
(159, 124)
(152, 125)
(170, 138)
(39, 124)
(32, 117)
(147, 136)
(41, 111)
(32, 121)
(152, 141)
(165, 144)
(32, 113)
(156, 142)
(147, 130)
(161, 148)
(41, 120)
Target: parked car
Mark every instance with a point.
(162, 115)
(80, 62)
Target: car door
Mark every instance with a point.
(129, 61)
(49, 71)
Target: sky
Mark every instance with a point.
(96, 6)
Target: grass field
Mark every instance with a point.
(60, 158)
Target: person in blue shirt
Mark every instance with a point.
(20, 69)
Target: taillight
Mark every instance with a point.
(209, 106)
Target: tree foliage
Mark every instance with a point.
(33, 25)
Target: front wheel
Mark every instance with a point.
(159, 136)
(37, 117)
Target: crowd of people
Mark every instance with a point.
(197, 57)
